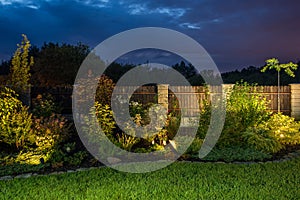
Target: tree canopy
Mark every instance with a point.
(57, 64)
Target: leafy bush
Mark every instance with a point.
(236, 153)
(195, 147)
(50, 131)
(273, 135)
(126, 141)
(104, 90)
(261, 139)
(104, 116)
(138, 110)
(205, 114)
(59, 157)
(76, 159)
(15, 121)
(172, 125)
(44, 106)
(285, 129)
(245, 108)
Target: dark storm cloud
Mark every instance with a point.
(235, 33)
(241, 33)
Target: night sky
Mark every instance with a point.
(237, 33)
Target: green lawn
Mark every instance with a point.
(178, 181)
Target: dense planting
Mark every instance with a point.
(42, 137)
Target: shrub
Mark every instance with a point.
(50, 131)
(126, 142)
(137, 110)
(285, 129)
(104, 116)
(195, 147)
(104, 90)
(205, 114)
(44, 106)
(249, 125)
(245, 108)
(236, 153)
(172, 125)
(273, 135)
(261, 139)
(15, 121)
(59, 158)
(20, 66)
(76, 159)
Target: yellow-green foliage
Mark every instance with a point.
(244, 109)
(105, 118)
(20, 65)
(273, 135)
(261, 139)
(44, 106)
(50, 131)
(285, 129)
(15, 121)
(273, 63)
(103, 115)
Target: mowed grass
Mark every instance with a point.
(178, 181)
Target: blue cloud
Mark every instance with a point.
(236, 33)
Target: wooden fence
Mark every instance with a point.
(163, 94)
(268, 92)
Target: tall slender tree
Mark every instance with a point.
(20, 66)
(289, 69)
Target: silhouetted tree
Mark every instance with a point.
(187, 71)
(58, 64)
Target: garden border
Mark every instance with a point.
(288, 157)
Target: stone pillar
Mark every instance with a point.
(162, 91)
(227, 88)
(295, 101)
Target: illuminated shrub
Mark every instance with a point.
(244, 109)
(285, 129)
(15, 121)
(273, 135)
(50, 131)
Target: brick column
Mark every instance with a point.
(162, 91)
(295, 101)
